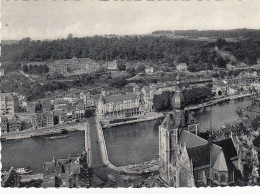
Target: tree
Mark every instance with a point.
(121, 67)
(221, 42)
(140, 69)
(131, 71)
(25, 68)
(221, 62)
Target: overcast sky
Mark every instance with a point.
(47, 19)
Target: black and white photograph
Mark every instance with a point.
(130, 94)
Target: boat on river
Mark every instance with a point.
(23, 170)
(56, 137)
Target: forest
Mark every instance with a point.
(235, 33)
(199, 55)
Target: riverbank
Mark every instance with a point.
(216, 101)
(144, 118)
(139, 169)
(45, 131)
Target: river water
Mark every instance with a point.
(126, 144)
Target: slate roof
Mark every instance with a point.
(120, 97)
(200, 155)
(228, 147)
(220, 164)
(191, 140)
(168, 122)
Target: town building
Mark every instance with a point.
(147, 95)
(90, 65)
(111, 65)
(90, 101)
(66, 111)
(66, 172)
(44, 119)
(187, 160)
(4, 125)
(8, 103)
(10, 179)
(148, 70)
(181, 67)
(14, 124)
(59, 66)
(116, 106)
(41, 105)
(220, 88)
(2, 72)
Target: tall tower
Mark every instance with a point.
(178, 104)
(169, 132)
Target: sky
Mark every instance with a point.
(48, 19)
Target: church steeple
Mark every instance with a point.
(178, 104)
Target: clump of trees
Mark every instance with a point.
(35, 69)
(192, 96)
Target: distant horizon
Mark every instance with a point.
(51, 20)
(131, 34)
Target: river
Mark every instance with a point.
(126, 144)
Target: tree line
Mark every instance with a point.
(35, 69)
(236, 33)
(194, 95)
(199, 55)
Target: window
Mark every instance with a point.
(216, 177)
(223, 178)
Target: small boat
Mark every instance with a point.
(56, 137)
(23, 170)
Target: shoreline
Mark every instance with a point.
(148, 118)
(39, 133)
(216, 101)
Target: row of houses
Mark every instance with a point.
(8, 103)
(126, 105)
(10, 125)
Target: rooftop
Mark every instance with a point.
(120, 97)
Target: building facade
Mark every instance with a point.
(44, 119)
(89, 100)
(2, 72)
(181, 67)
(14, 124)
(8, 103)
(65, 172)
(4, 125)
(187, 160)
(116, 106)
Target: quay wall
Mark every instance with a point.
(102, 144)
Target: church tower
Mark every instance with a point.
(178, 104)
(169, 132)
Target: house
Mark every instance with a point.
(90, 65)
(181, 67)
(10, 179)
(4, 125)
(111, 65)
(187, 160)
(149, 70)
(90, 101)
(147, 95)
(120, 105)
(43, 119)
(15, 124)
(65, 172)
(8, 103)
(2, 72)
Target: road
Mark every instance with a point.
(96, 154)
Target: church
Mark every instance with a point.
(187, 160)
